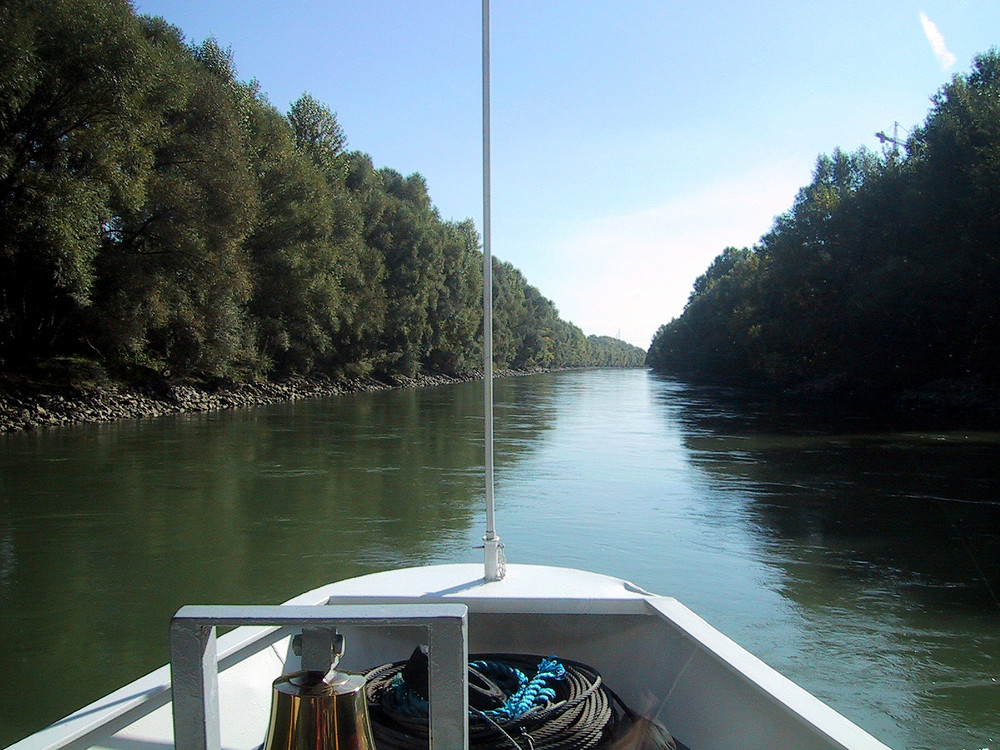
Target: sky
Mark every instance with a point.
(632, 140)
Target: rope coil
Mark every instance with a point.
(547, 704)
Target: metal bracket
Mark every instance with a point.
(320, 648)
(195, 675)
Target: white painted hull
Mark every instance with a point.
(661, 658)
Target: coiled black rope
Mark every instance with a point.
(574, 711)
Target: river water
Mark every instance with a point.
(860, 559)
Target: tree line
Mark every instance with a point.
(156, 211)
(883, 276)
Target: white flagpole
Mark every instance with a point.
(495, 566)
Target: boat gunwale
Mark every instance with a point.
(615, 597)
(620, 597)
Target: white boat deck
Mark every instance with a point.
(662, 659)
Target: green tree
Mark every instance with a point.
(411, 248)
(296, 249)
(174, 276)
(363, 348)
(318, 134)
(605, 351)
(353, 191)
(882, 276)
(457, 314)
(510, 313)
(957, 155)
(159, 212)
(73, 126)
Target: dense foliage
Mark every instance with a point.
(156, 211)
(884, 275)
(606, 351)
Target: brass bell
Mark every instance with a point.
(311, 710)
(319, 710)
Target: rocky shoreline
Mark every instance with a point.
(27, 405)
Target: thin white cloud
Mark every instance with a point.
(630, 273)
(937, 42)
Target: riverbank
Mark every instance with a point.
(28, 403)
(971, 401)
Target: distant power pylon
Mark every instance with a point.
(894, 139)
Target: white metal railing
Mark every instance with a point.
(194, 661)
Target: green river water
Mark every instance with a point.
(860, 559)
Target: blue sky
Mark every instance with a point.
(633, 140)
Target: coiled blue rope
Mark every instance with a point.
(565, 706)
(528, 694)
(523, 693)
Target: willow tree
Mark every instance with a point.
(456, 317)
(957, 176)
(296, 296)
(348, 199)
(174, 273)
(318, 135)
(73, 129)
(410, 242)
(883, 276)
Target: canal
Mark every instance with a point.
(860, 558)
